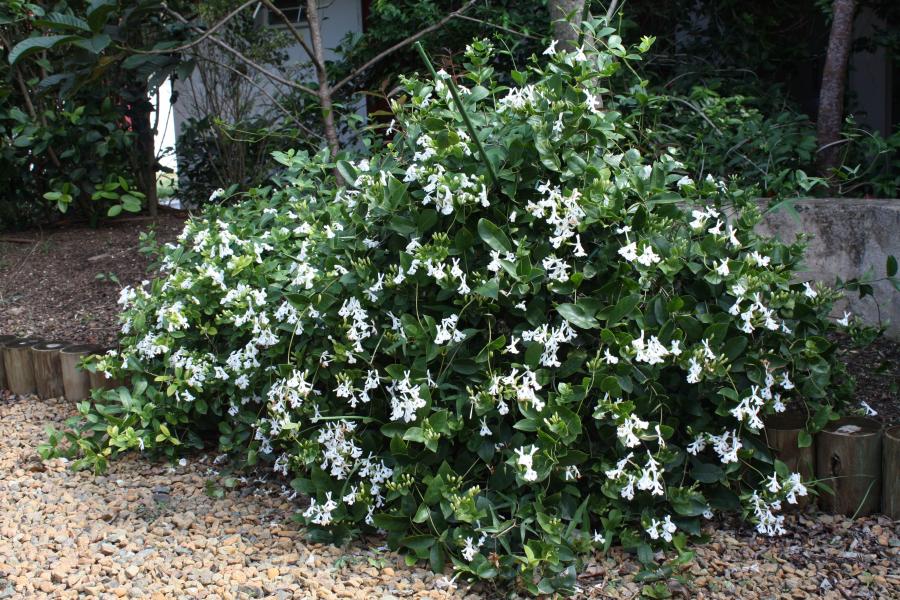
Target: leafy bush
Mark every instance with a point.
(730, 136)
(505, 360)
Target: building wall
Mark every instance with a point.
(338, 17)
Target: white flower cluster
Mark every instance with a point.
(550, 338)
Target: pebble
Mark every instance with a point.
(146, 530)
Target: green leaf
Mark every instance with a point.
(114, 210)
(493, 236)
(804, 439)
(489, 289)
(96, 44)
(578, 315)
(31, 45)
(891, 266)
(347, 171)
(623, 307)
(63, 22)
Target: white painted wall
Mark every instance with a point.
(338, 17)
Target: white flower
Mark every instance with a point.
(471, 548)
(511, 347)
(447, 331)
(551, 49)
(485, 430)
(722, 268)
(556, 268)
(630, 429)
(572, 473)
(869, 411)
(629, 252)
(685, 180)
(526, 460)
(760, 260)
(599, 538)
(648, 257)
(773, 486)
(845, 321)
(610, 359)
(668, 528)
(794, 487)
(808, 290)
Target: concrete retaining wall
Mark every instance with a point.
(849, 236)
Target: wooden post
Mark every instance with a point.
(848, 459)
(4, 339)
(890, 465)
(18, 366)
(47, 369)
(782, 435)
(76, 381)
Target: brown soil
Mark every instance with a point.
(876, 368)
(63, 284)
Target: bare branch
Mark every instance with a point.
(206, 34)
(265, 93)
(399, 45)
(500, 27)
(295, 34)
(237, 54)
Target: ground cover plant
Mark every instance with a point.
(508, 341)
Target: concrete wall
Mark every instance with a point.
(849, 236)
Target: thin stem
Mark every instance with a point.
(402, 44)
(462, 111)
(237, 54)
(205, 34)
(296, 34)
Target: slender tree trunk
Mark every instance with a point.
(566, 17)
(834, 77)
(146, 154)
(324, 91)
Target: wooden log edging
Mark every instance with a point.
(4, 339)
(783, 437)
(76, 381)
(48, 369)
(890, 466)
(19, 368)
(848, 460)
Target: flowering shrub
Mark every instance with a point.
(502, 364)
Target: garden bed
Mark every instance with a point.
(64, 283)
(147, 529)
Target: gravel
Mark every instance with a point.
(152, 530)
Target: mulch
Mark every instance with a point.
(62, 284)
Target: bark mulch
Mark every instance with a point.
(63, 283)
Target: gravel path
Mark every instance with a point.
(149, 530)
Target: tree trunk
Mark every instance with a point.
(890, 464)
(18, 366)
(4, 339)
(47, 369)
(324, 90)
(76, 381)
(145, 151)
(834, 77)
(783, 435)
(848, 460)
(566, 18)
